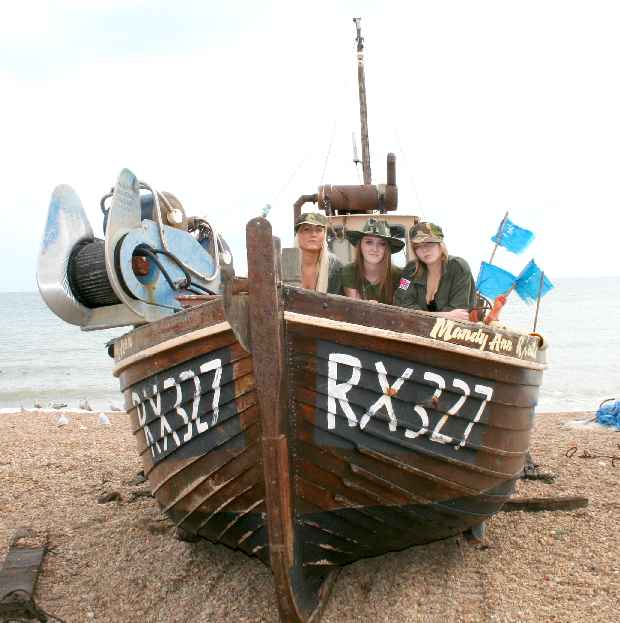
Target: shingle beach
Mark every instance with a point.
(119, 561)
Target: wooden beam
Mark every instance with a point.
(18, 577)
(559, 503)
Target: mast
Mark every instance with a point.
(363, 108)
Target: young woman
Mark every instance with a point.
(371, 276)
(320, 269)
(435, 281)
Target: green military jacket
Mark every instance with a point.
(334, 275)
(456, 290)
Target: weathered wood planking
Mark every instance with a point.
(190, 393)
(372, 319)
(351, 430)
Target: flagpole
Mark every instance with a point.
(499, 236)
(540, 287)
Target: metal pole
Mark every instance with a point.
(499, 237)
(356, 158)
(363, 108)
(540, 287)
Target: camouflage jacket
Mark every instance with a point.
(456, 289)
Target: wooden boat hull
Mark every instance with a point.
(351, 430)
(189, 390)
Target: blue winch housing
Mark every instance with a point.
(151, 254)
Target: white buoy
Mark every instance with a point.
(104, 420)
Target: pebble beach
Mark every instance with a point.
(118, 560)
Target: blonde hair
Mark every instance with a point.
(322, 264)
(386, 291)
(419, 262)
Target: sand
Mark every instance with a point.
(118, 561)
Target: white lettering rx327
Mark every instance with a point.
(149, 408)
(337, 397)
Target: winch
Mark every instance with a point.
(151, 254)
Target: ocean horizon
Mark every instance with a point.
(45, 360)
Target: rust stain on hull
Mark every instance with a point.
(322, 446)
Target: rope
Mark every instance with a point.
(586, 454)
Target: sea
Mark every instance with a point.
(44, 360)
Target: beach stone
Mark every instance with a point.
(138, 479)
(21, 533)
(140, 493)
(180, 534)
(110, 496)
(157, 527)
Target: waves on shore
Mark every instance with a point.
(47, 361)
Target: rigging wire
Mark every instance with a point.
(345, 86)
(291, 176)
(359, 176)
(409, 170)
(329, 149)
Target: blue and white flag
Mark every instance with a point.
(513, 237)
(493, 280)
(528, 283)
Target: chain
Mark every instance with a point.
(586, 454)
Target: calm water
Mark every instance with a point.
(44, 359)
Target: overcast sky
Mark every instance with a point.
(490, 106)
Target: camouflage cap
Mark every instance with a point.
(380, 229)
(310, 218)
(425, 232)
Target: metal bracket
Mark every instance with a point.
(125, 216)
(67, 225)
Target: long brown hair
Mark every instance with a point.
(386, 290)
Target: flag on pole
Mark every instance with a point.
(493, 280)
(528, 283)
(513, 237)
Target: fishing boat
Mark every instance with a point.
(309, 430)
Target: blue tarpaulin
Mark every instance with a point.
(609, 414)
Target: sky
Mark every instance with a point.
(490, 107)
